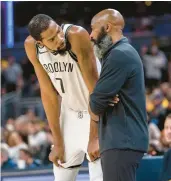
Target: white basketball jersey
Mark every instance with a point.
(66, 76)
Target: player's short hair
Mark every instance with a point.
(168, 116)
(39, 24)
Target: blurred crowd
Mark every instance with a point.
(157, 68)
(26, 139)
(25, 142)
(18, 76)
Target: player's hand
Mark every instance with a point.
(114, 101)
(93, 149)
(57, 154)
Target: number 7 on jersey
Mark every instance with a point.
(62, 85)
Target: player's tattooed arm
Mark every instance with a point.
(82, 47)
(48, 93)
(94, 117)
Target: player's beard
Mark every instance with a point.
(102, 44)
(59, 51)
(63, 51)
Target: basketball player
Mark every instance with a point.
(65, 65)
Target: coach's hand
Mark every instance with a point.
(57, 154)
(93, 149)
(114, 101)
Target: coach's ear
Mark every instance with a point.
(108, 27)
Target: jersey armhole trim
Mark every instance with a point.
(37, 51)
(66, 37)
(73, 55)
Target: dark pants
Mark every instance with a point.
(120, 165)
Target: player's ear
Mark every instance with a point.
(40, 44)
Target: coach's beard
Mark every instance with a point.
(102, 45)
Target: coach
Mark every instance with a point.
(123, 130)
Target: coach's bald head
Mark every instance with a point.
(110, 16)
(107, 28)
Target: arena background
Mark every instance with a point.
(23, 121)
